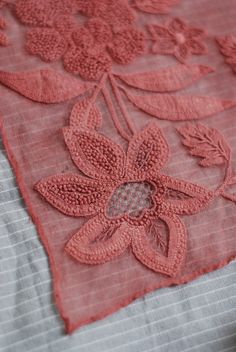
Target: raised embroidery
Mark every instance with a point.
(133, 211)
(86, 49)
(227, 46)
(178, 39)
(211, 147)
(126, 195)
(58, 87)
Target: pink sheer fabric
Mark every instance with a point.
(128, 191)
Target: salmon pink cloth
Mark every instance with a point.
(118, 118)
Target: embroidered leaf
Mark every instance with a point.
(155, 6)
(167, 79)
(44, 86)
(227, 46)
(179, 108)
(84, 113)
(206, 143)
(94, 154)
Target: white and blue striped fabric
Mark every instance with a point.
(199, 316)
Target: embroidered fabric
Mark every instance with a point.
(91, 155)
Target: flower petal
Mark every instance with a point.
(184, 197)
(159, 32)
(126, 45)
(177, 25)
(197, 47)
(46, 43)
(72, 194)
(164, 46)
(182, 52)
(90, 63)
(94, 154)
(196, 33)
(147, 255)
(148, 151)
(98, 241)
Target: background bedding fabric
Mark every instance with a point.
(197, 316)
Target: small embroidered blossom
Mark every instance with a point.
(178, 39)
(124, 195)
(89, 49)
(96, 46)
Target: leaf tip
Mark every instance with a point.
(228, 104)
(206, 69)
(39, 187)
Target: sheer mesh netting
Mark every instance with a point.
(100, 103)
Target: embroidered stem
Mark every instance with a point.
(121, 104)
(228, 175)
(96, 93)
(98, 88)
(114, 115)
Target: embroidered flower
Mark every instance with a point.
(178, 39)
(124, 196)
(87, 50)
(96, 46)
(228, 48)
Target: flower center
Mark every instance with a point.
(131, 199)
(180, 38)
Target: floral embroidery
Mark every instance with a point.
(128, 203)
(3, 39)
(178, 39)
(126, 195)
(88, 49)
(210, 145)
(227, 46)
(109, 34)
(206, 143)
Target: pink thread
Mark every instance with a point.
(89, 49)
(227, 46)
(178, 39)
(206, 143)
(46, 86)
(110, 170)
(171, 78)
(179, 108)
